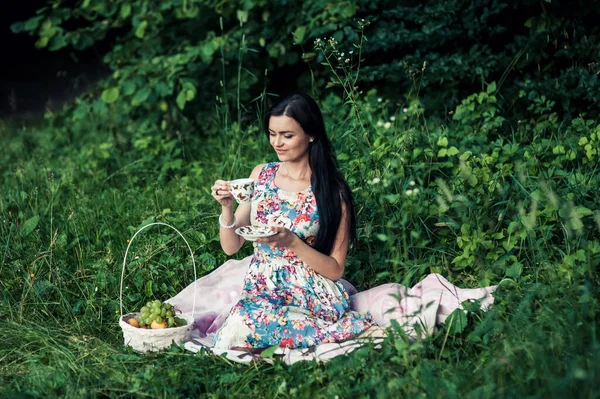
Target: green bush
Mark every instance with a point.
(173, 62)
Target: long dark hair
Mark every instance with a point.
(327, 182)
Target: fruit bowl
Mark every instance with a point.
(148, 339)
(152, 340)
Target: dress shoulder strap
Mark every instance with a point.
(267, 173)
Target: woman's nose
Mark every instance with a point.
(277, 141)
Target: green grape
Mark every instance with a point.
(158, 319)
(144, 309)
(163, 312)
(148, 304)
(170, 313)
(171, 321)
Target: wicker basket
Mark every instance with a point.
(149, 340)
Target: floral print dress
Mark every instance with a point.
(283, 301)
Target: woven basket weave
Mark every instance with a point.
(149, 340)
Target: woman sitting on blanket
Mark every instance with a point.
(291, 295)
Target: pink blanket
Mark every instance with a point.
(426, 304)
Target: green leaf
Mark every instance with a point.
(141, 29)
(457, 321)
(269, 352)
(299, 34)
(141, 96)
(452, 151)
(515, 270)
(181, 99)
(583, 211)
(307, 57)
(538, 195)
(110, 95)
(382, 237)
(443, 141)
(242, 16)
(465, 155)
(125, 10)
(33, 23)
(348, 9)
(17, 27)
(29, 226)
(128, 88)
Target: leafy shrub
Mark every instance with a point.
(173, 62)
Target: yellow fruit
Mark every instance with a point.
(133, 322)
(156, 325)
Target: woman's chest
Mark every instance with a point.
(295, 211)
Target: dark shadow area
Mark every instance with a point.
(35, 80)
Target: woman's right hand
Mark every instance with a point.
(220, 192)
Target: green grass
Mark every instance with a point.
(70, 200)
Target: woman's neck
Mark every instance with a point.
(297, 171)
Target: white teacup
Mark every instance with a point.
(242, 190)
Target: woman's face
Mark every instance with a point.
(288, 138)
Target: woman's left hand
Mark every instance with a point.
(284, 238)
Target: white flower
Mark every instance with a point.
(379, 123)
(415, 191)
(375, 180)
(96, 289)
(379, 99)
(408, 193)
(387, 125)
(392, 118)
(412, 183)
(351, 52)
(404, 109)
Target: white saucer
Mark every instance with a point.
(251, 233)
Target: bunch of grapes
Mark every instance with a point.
(157, 314)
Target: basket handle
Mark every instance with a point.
(125, 261)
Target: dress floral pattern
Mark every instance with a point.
(284, 302)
